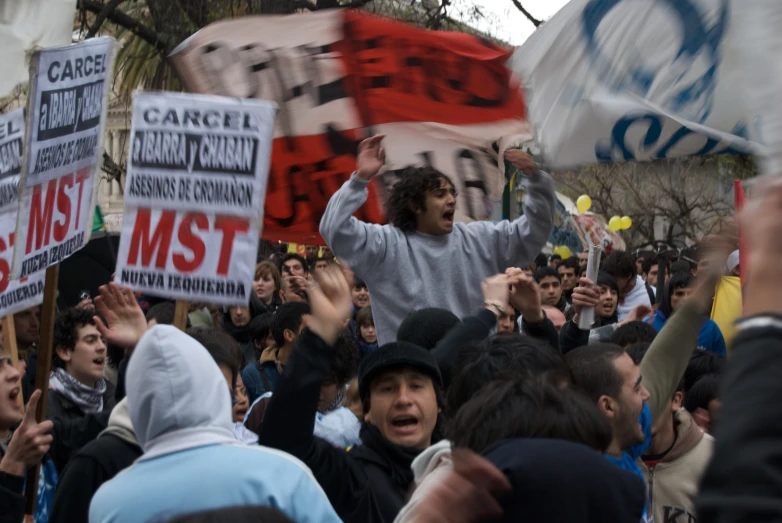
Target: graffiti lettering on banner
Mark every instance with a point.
(197, 174)
(15, 295)
(604, 87)
(341, 75)
(64, 144)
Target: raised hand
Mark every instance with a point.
(525, 295)
(495, 293)
(330, 303)
(585, 295)
(522, 161)
(29, 442)
(125, 321)
(371, 157)
(639, 312)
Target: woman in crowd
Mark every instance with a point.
(267, 285)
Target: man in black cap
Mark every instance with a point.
(400, 387)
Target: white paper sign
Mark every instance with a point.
(197, 172)
(15, 295)
(619, 80)
(64, 146)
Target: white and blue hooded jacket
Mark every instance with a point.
(180, 408)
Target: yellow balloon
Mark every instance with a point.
(584, 203)
(563, 251)
(627, 222)
(615, 223)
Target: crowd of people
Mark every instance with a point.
(419, 371)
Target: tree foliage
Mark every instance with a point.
(672, 203)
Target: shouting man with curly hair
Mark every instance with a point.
(422, 258)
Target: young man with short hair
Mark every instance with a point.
(286, 325)
(77, 386)
(550, 284)
(570, 271)
(407, 262)
(632, 291)
(399, 387)
(650, 270)
(294, 265)
(634, 397)
(360, 295)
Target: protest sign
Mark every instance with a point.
(197, 173)
(15, 295)
(603, 86)
(64, 143)
(443, 99)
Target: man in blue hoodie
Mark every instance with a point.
(180, 409)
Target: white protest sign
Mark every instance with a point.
(64, 146)
(197, 172)
(15, 295)
(619, 80)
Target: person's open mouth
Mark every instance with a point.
(13, 396)
(448, 217)
(100, 361)
(404, 424)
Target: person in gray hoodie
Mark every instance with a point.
(413, 262)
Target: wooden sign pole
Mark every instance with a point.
(45, 348)
(9, 344)
(180, 314)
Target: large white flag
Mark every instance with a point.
(26, 24)
(617, 80)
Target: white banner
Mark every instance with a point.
(64, 145)
(197, 172)
(618, 80)
(15, 295)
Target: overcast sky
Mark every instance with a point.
(506, 22)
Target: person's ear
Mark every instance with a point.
(64, 353)
(676, 404)
(607, 406)
(289, 335)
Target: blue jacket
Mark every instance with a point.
(629, 459)
(258, 384)
(709, 338)
(180, 408)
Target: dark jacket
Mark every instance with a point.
(60, 407)
(744, 478)
(11, 498)
(72, 428)
(91, 467)
(366, 484)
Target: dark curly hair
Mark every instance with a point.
(409, 195)
(344, 363)
(66, 330)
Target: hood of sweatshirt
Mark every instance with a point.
(688, 435)
(120, 424)
(430, 459)
(177, 396)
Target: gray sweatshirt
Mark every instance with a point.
(405, 272)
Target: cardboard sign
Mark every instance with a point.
(15, 295)
(197, 173)
(443, 99)
(604, 86)
(64, 145)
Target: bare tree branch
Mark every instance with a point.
(526, 13)
(123, 20)
(107, 10)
